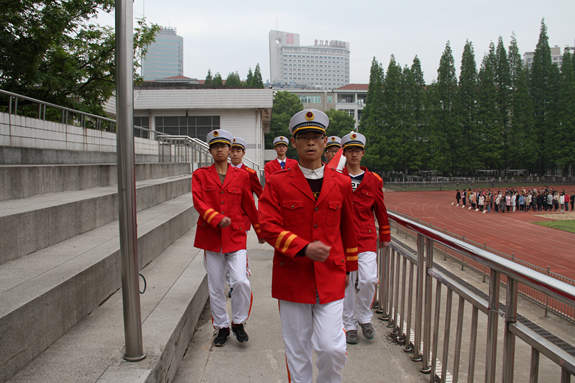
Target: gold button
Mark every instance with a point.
(342, 260)
(281, 263)
(222, 202)
(315, 226)
(222, 192)
(316, 209)
(292, 206)
(370, 231)
(337, 207)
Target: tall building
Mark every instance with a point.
(165, 57)
(324, 65)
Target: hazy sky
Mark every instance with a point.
(228, 36)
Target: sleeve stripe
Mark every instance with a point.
(279, 240)
(256, 225)
(385, 232)
(208, 212)
(350, 259)
(212, 216)
(354, 250)
(258, 231)
(286, 245)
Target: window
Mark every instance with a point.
(192, 126)
(310, 99)
(144, 122)
(329, 99)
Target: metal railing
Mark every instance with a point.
(405, 297)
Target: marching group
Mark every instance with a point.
(320, 219)
(516, 199)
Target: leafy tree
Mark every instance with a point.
(502, 79)
(209, 79)
(340, 123)
(391, 149)
(371, 124)
(445, 128)
(257, 80)
(420, 115)
(490, 127)
(410, 160)
(51, 52)
(565, 152)
(540, 88)
(217, 80)
(466, 108)
(233, 80)
(520, 148)
(285, 105)
(250, 78)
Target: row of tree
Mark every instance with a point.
(502, 116)
(253, 80)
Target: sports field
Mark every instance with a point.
(510, 233)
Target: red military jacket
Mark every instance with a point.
(367, 200)
(255, 186)
(274, 166)
(215, 201)
(291, 218)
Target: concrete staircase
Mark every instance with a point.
(60, 304)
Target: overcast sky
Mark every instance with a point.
(231, 35)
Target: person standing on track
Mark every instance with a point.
(458, 197)
(306, 215)
(221, 194)
(367, 203)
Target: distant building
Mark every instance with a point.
(323, 65)
(165, 57)
(556, 56)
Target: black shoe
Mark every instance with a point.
(222, 337)
(240, 333)
(230, 293)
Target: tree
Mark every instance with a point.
(250, 78)
(445, 126)
(217, 79)
(209, 79)
(340, 123)
(503, 86)
(285, 105)
(541, 81)
(371, 123)
(257, 81)
(466, 108)
(233, 80)
(420, 107)
(51, 52)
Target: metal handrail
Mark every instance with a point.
(420, 332)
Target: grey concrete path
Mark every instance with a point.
(262, 359)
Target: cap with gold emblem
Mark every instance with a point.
(239, 143)
(219, 136)
(309, 119)
(353, 139)
(333, 141)
(281, 140)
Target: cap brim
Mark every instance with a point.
(238, 146)
(354, 144)
(333, 144)
(220, 142)
(309, 127)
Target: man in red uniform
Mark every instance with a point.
(221, 193)
(367, 202)
(306, 215)
(281, 162)
(333, 145)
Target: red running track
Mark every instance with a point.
(508, 232)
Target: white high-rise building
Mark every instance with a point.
(323, 65)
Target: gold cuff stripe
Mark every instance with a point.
(354, 250)
(256, 225)
(212, 216)
(286, 245)
(385, 232)
(208, 212)
(279, 240)
(352, 258)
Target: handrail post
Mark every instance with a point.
(419, 298)
(509, 337)
(428, 296)
(492, 321)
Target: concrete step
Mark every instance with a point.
(22, 181)
(34, 223)
(45, 294)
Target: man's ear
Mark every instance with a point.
(293, 142)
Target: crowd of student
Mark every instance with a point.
(516, 199)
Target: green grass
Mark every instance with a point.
(568, 225)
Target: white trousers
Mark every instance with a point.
(319, 326)
(216, 265)
(358, 309)
(248, 270)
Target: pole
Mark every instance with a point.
(126, 180)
